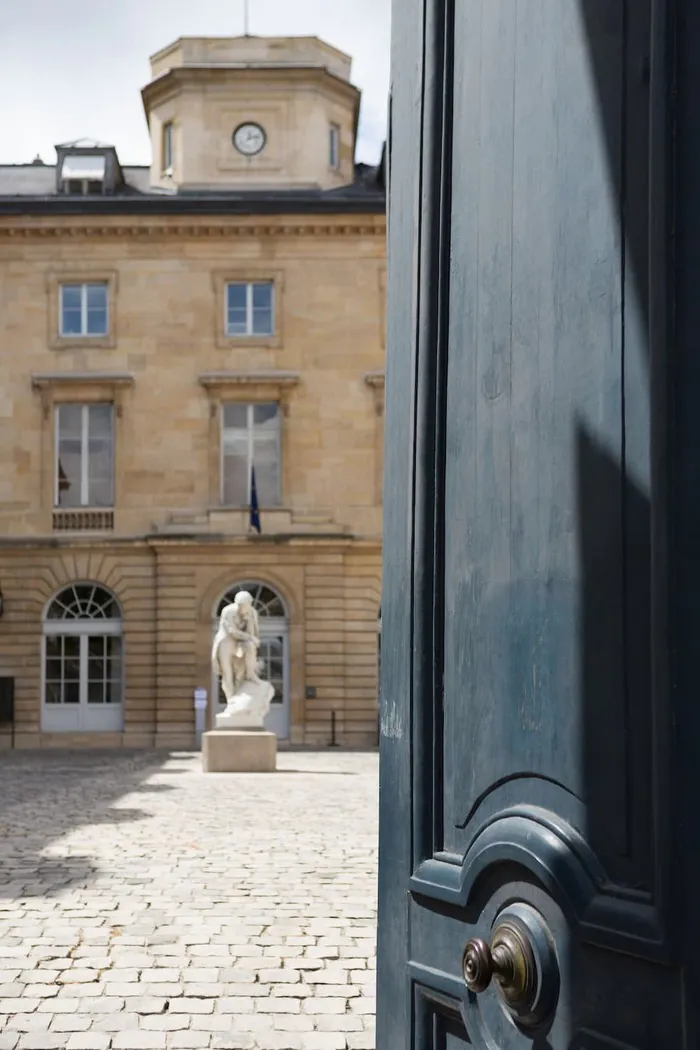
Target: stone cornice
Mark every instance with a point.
(42, 380)
(179, 78)
(272, 378)
(54, 227)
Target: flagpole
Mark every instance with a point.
(245, 17)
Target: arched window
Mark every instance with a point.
(274, 647)
(82, 661)
(267, 603)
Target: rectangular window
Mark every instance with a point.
(249, 308)
(250, 439)
(334, 146)
(167, 151)
(84, 456)
(83, 309)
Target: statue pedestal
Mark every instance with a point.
(239, 751)
(240, 743)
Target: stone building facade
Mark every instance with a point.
(177, 343)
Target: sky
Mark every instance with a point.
(74, 69)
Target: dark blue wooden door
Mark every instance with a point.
(532, 873)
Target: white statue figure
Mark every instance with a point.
(235, 659)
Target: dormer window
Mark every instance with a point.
(82, 173)
(167, 148)
(334, 147)
(87, 167)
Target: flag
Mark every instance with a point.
(254, 509)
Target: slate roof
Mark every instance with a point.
(30, 189)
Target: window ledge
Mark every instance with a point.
(257, 342)
(83, 342)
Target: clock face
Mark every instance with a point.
(249, 139)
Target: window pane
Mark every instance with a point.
(71, 295)
(71, 646)
(100, 456)
(236, 309)
(267, 482)
(71, 309)
(53, 646)
(235, 462)
(96, 309)
(52, 693)
(71, 692)
(167, 146)
(235, 415)
(69, 455)
(114, 657)
(272, 651)
(265, 416)
(262, 296)
(333, 143)
(266, 453)
(113, 692)
(96, 659)
(265, 448)
(237, 295)
(72, 322)
(71, 669)
(100, 494)
(235, 443)
(262, 309)
(69, 476)
(82, 597)
(54, 670)
(96, 322)
(70, 420)
(262, 322)
(96, 692)
(97, 296)
(235, 480)
(237, 322)
(96, 670)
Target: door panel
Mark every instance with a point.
(525, 713)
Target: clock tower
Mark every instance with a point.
(251, 113)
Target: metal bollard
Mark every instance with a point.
(200, 714)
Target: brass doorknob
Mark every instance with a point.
(520, 961)
(509, 960)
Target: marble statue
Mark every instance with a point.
(235, 658)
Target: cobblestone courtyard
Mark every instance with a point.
(146, 905)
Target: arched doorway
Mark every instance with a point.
(274, 649)
(81, 661)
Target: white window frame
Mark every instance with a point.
(81, 717)
(334, 146)
(250, 427)
(83, 333)
(249, 333)
(84, 454)
(167, 147)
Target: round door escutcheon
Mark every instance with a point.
(521, 962)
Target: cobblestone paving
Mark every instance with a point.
(146, 905)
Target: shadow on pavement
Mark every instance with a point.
(46, 795)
